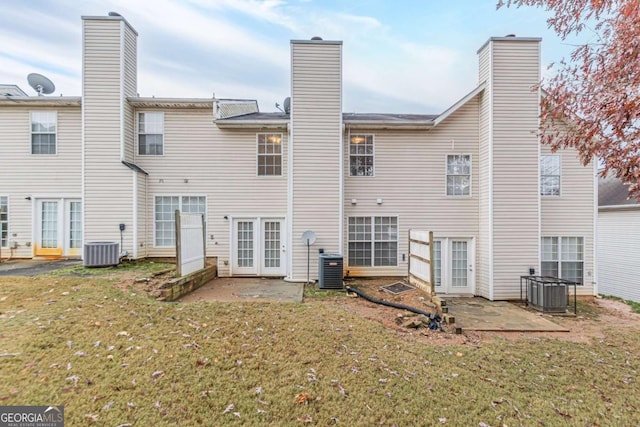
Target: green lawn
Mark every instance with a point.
(115, 357)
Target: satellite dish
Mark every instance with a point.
(287, 105)
(308, 237)
(40, 84)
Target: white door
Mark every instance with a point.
(272, 232)
(245, 247)
(453, 266)
(58, 228)
(258, 247)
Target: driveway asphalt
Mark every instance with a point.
(31, 267)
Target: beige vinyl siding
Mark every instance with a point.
(24, 175)
(483, 246)
(316, 115)
(108, 184)
(516, 69)
(142, 215)
(410, 179)
(619, 252)
(572, 214)
(218, 164)
(130, 69)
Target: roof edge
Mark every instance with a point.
(508, 39)
(109, 18)
(449, 111)
(338, 42)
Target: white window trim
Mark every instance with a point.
(446, 174)
(552, 196)
(137, 141)
(8, 224)
(373, 240)
(31, 133)
(180, 196)
(258, 155)
(373, 142)
(560, 260)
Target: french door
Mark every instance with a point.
(58, 227)
(453, 265)
(258, 247)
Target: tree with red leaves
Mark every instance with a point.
(593, 102)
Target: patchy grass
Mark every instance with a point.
(311, 291)
(142, 267)
(113, 357)
(635, 307)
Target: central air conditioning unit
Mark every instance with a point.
(330, 273)
(548, 295)
(101, 254)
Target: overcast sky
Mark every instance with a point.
(399, 56)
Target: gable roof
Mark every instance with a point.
(612, 193)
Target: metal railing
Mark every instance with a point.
(548, 294)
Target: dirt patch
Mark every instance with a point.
(596, 318)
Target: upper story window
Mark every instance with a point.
(150, 133)
(44, 126)
(269, 154)
(458, 175)
(361, 155)
(549, 175)
(4, 221)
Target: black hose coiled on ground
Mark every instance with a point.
(434, 318)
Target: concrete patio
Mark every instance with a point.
(236, 289)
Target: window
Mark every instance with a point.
(550, 175)
(563, 257)
(43, 132)
(165, 208)
(373, 241)
(75, 224)
(150, 134)
(458, 174)
(269, 154)
(361, 155)
(437, 262)
(4, 221)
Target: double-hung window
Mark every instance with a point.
(373, 241)
(458, 175)
(4, 221)
(269, 154)
(44, 126)
(165, 215)
(549, 175)
(361, 155)
(563, 257)
(151, 133)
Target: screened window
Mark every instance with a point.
(373, 241)
(150, 134)
(4, 221)
(563, 257)
(458, 175)
(361, 155)
(165, 208)
(550, 175)
(43, 132)
(269, 154)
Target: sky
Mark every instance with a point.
(399, 56)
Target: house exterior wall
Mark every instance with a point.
(514, 238)
(106, 56)
(572, 214)
(618, 252)
(410, 178)
(316, 143)
(485, 195)
(25, 175)
(202, 160)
